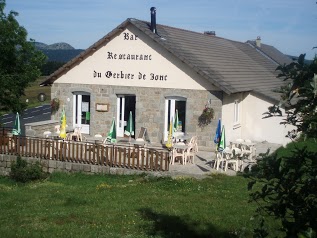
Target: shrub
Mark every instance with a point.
(288, 188)
(23, 172)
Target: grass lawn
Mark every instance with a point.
(32, 92)
(78, 205)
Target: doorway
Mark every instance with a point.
(125, 104)
(81, 111)
(171, 105)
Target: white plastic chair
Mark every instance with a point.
(192, 149)
(77, 134)
(248, 149)
(47, 134)
(219, 160)
(190, 154)
(57, 129)
(230, 159)
(177, 152)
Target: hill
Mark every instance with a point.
(58, 52)
(61, 55)
(55, 46)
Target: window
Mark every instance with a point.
(236, 115)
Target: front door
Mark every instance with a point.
(81, 111)
(125, 104)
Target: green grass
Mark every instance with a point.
(32, 92)
(78, 205)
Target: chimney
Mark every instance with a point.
(258, 42)
(153, 20)
(210, 33)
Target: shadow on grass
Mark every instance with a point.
(169, 226)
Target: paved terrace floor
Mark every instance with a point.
(203, 165)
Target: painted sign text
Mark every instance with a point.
(123, 75)
(129, 36)
(113, 56)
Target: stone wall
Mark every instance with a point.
(150, 108)
(51, 166)
(36, 129)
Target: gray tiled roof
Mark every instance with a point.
(272, 53)
(230, 65)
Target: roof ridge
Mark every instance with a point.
(177, 28)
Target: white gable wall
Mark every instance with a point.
(252, 124)
(233, 132)
(106, 66)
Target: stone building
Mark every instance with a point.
(153, 70)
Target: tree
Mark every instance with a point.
(20, 62)
(50, 67)
(289, 178)
(299, 96)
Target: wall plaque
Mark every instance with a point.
(102, 107)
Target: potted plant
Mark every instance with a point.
(206, 116)
(54, 105)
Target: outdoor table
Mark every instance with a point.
(238, 144)
(184, 137)
(69, 130)
(180, 146)
(96, 140)
(244, 150)
(136, 142)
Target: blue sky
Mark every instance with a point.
(289, 25)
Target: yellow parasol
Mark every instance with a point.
(62, 133)
(169, 143)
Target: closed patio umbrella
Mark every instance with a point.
(112, 135)
(222, 142)
(17, 127)
(175, 127)
(218, 134)
(62, 133)
(129, 130)
(169, 143)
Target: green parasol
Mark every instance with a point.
(17, 127)
(112, 135)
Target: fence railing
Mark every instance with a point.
(113, 155)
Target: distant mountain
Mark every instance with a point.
(59, 52)
(55, 46)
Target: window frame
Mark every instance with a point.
(236, 113)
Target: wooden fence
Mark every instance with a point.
(113, 155)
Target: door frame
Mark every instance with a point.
(123, 112)
(77, 98)
(170, 112)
